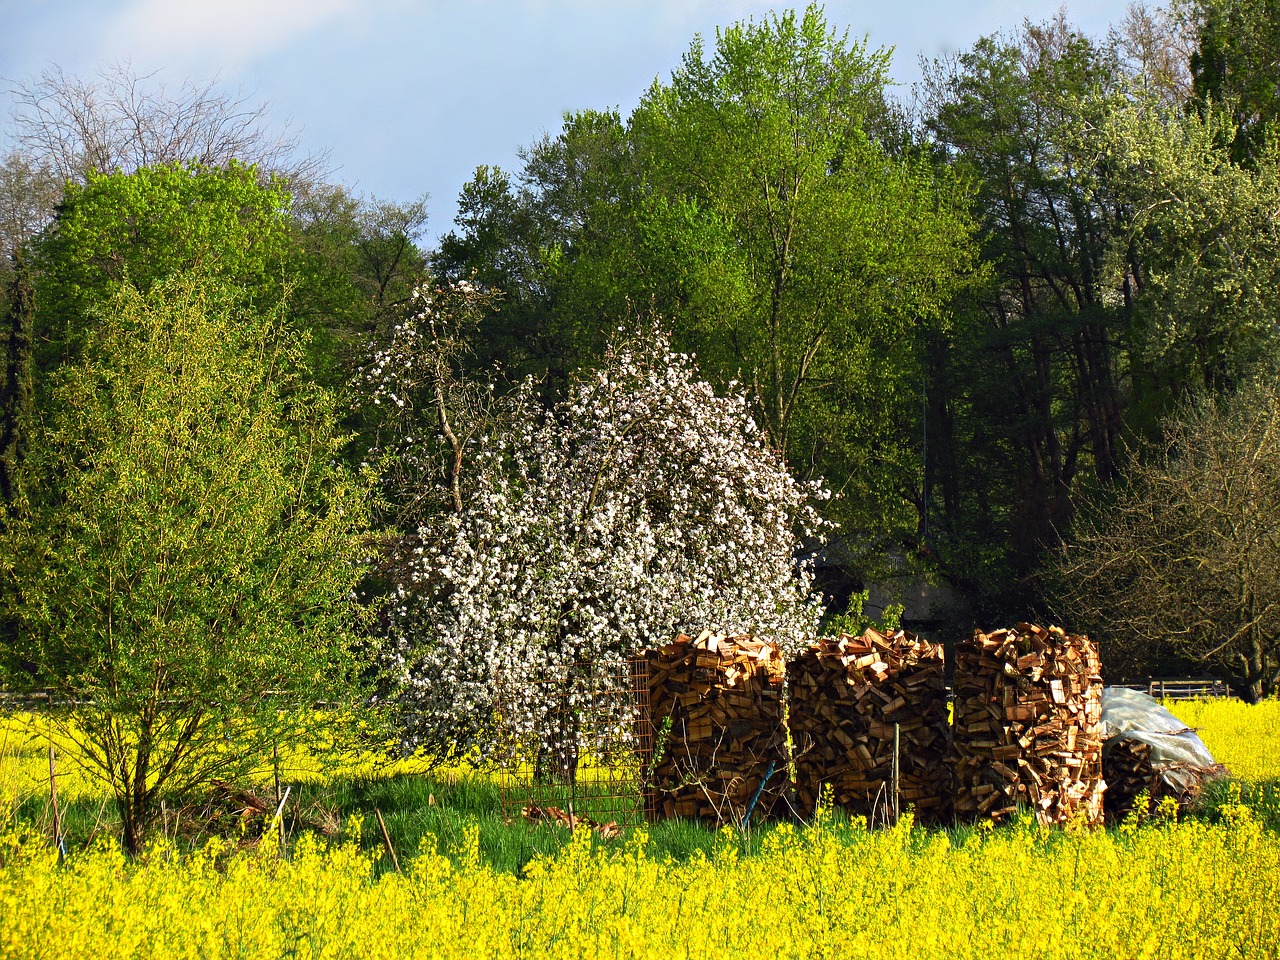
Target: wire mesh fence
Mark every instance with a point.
(590, 759)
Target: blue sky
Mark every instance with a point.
(409, 96)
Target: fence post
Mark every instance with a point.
(896, 771)
(53, 801)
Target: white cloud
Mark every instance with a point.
(224, 33)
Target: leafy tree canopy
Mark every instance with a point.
(1235, 68)
(184, 540)
(641, 505)
(1179, 567)
(142, 228)
(748, 202)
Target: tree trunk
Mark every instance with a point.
(558, 744)
(133, 799)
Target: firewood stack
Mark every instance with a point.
(717, 710)
(1131, 768)
(1028, 703)
(846, 695)
(1129, 772)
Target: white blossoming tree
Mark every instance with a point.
(640, 506)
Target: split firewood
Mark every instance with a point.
(847, 695)
(1129, 772)
(1132, 770)
(1028, 704)
(721, 749)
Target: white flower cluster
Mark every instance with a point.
(420, 408)
(402, 364)
(641, 506)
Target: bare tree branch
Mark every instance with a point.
(1181, 566)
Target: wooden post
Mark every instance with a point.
(275, 767)
(386, 838)
(280, 819)
(896, 770)
(53, 802)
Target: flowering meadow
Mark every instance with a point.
(1205, 886)
(1193, 889)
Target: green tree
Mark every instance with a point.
(141, 228)
(64, 128)
(557, 242)
(1028, 397)
(17, 391)
(184, 541)
(823, 258)
(748, 202)
(355, 264)
(1201, 247)
(1234, 68)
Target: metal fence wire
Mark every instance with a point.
(590, 760)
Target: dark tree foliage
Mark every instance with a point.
(1030, 385)
(1237, 66)
(17, 390)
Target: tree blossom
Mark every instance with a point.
(640, 506)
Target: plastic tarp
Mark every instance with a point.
(1178, 755)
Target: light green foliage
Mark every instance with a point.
(797, 254)
(138, 229)
(854, 620)
(184, 541)
(1207, 231)
(747, 203)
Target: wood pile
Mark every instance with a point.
(1130, 769)
(1129, 772)
(1028, 704)
(535, 814)
(721, 744)
(847, 693)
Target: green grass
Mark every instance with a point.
(415, 808)
(421, 808)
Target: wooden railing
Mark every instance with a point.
(1183, 689)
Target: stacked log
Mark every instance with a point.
(1028, 704)
(720, 740)
(847, 695)
(1129, 772)
(1132, 770)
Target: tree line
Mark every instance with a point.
(1021, 325)
(972, 311)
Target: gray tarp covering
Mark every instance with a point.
(1177, 754)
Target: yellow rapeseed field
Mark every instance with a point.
(24, 764)
(1246, 738)
(1171, 891)
(1158, 889)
